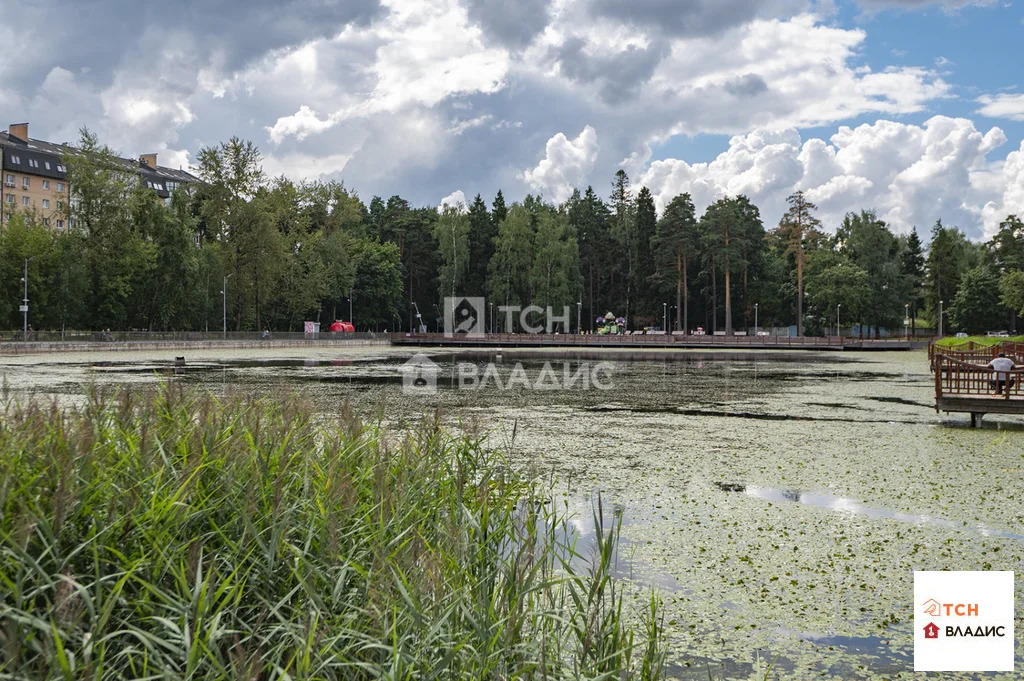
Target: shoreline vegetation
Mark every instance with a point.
(985, 341)
(176, 535)
(243, 251)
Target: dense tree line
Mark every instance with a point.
(287, 252)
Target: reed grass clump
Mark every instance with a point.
(175, 535)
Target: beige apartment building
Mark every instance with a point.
(35, 178)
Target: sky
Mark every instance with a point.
(911, 108)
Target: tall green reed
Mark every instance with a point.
(175, 535)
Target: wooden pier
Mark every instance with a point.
(967, 386)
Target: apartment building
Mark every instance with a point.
(35, 178)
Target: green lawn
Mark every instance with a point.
(981, 340)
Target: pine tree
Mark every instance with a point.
(623, 228)
(482, 231)
(498, 210)
(675, 244)
(913, 269)
(797, 227)
(750, 238)
(724, 238)
(643, 267)
(588, 215)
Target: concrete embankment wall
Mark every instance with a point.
(35, 348)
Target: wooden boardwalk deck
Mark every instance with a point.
(967, 386)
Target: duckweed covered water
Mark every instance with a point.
(780, 501)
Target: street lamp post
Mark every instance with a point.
(24, 306)
(579, 316)
(664, 316)
(940, 319)
(906, 321)
(350, 320)
(839, 328)
(492, 317)
(755, 319)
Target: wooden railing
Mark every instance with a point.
(976, 353)
(955, 377)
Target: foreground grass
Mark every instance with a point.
(177, 536)
(986, 341)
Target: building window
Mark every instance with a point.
(60, 206)
(32, 163)
(60, 186)
(24, 200)
(46, 184)
(10, 180)
(10, 198)
(24, 183)
(47, 164)
(16, 160)
(60, 224)
(46, 203)
(60, 168)
(46, 222)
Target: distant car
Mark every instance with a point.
(998, 334)
(961, 335)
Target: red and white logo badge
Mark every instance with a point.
(972, 613)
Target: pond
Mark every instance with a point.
(779, 502)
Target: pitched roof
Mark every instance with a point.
(43, 153)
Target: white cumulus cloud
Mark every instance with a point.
(457, 199)
(911, 175)
(301, 125)
(1002, 106)
(566, 164)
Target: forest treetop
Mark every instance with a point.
(294, 251)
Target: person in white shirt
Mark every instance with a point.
(999, 367)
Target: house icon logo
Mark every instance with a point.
(932, 607)
(419, 375)
(931, 630)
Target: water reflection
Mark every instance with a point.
(852, 507)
